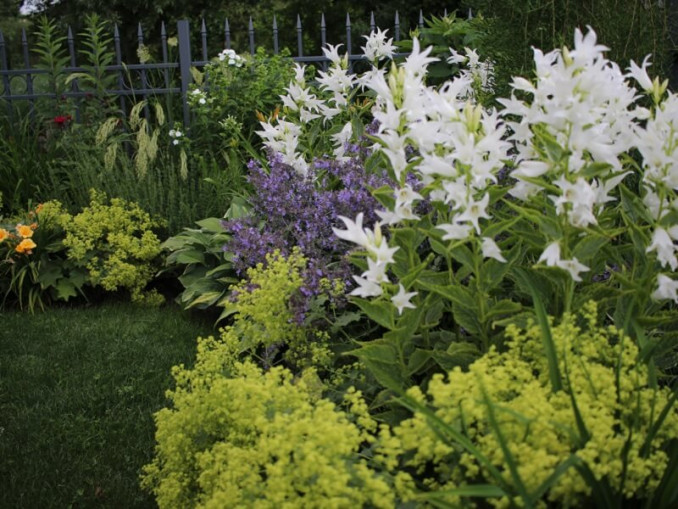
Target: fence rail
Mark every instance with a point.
(139, 85)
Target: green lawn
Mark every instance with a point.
(78, 388)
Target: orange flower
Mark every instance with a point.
(3, 234)
(25, 246)
(38, 209)
(34, 226)
(24, 231)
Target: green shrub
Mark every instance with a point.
(239, 437)
(116, 244)
(34, 268)
(609, 424)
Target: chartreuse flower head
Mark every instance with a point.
(508, 397)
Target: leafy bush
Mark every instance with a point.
(116, 244)
(240, 436)
(34, 268)
(609, 430)
(234, 91)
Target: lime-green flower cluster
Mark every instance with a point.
(116, 244)
(247, 438)
(599, 368)
(264, 318)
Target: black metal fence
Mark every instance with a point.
(176, 74)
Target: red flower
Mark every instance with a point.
(62, 120)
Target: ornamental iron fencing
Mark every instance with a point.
(18, 83)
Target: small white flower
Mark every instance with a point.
(667, 288)
(551, 255)
(175, 142)
(376, 272)
(573, 267)
(401, 300)
(491, 250)
(202, 100)
(354, 231)
(475, 210)
(366, 288)
(663, 245)
(172, 133)
(455, 231)
(640, 74)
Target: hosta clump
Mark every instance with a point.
(609, 414)
(290, 209)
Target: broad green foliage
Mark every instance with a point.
(608, 414)
(239, 437)
(207, 273)
(34, 268)
(116, 244)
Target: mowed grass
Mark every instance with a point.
(78, 389)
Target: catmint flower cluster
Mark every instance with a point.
(289, 209)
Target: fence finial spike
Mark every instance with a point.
(250, 26)
(275, 23)
(348, 20)
(140, 32)
(24, 39)
(322, 20)
(163, 31)
(373, 25)
(298, 21)
(116, 32)
(70, 33)
(226, 27)
(470, 13)
(445, 13)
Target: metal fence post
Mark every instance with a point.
(7, 92)
(184, 36)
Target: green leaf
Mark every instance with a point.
(212, 224)
(49, 274)
(589, 247)
(381, 312)
(65, 289)
(503, 307)
(417, 360)
(506, 451)
(458, 354)
(549, 346)
(380, 358)
(454, 293)
(188, 256)
(205, 300)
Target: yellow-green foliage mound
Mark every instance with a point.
(600, 371)
(239, 436)
(254, 439)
